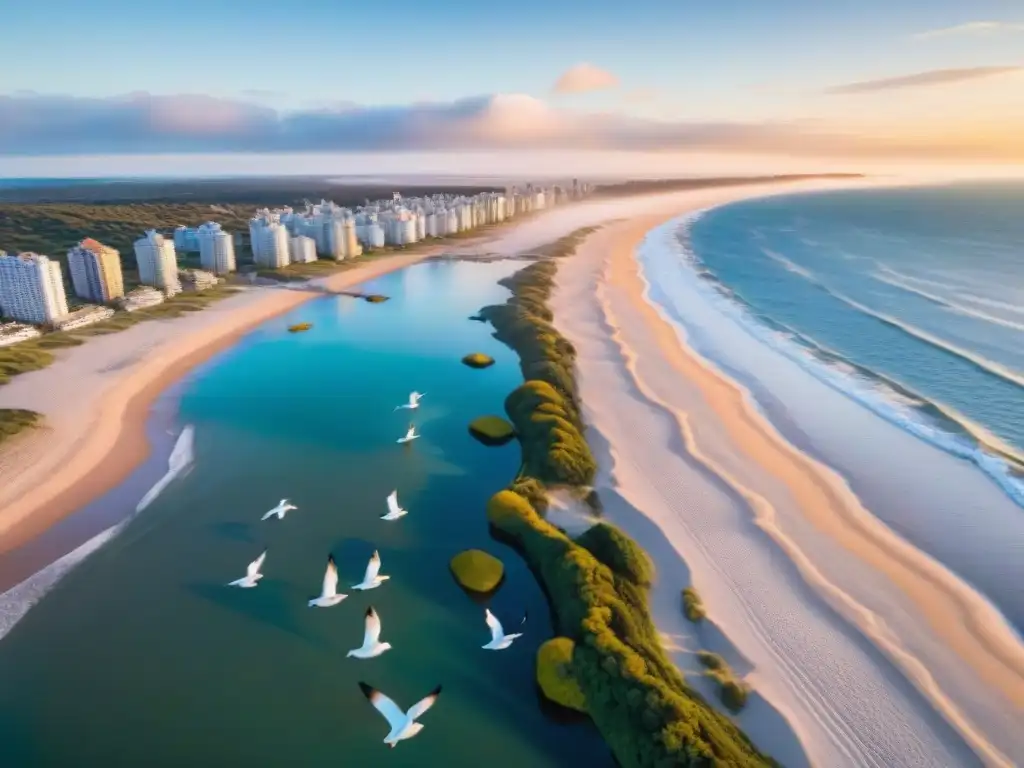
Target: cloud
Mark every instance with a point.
(585, 77)
(971, 28)
(142, 123)
(932, 77)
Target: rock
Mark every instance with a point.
(492, 430)
(478, 360)
(477, 571)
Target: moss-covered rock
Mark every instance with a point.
(492, 430)
(554, 674)
(477, 571)
(478, 360)
(619, 552)
(375, 298)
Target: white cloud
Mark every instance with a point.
(972, 28)
(585, 77)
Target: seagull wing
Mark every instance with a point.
(496, 631)
(372, 635)
(255, 565)
(330, 578)
(384, 705)
(372, 568)
(418, 709)
(393, 501)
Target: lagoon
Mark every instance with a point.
(142, 657)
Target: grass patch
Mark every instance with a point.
(693, 606)
(13, 421)
(644, 708)
(732, 691)
(554, 674)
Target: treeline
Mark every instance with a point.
(597, 584)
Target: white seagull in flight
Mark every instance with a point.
(252, 573)
(280, 510)
(410, 435)
(372, 579)
(372, 646)
(329, 594)
(499, 640)
(414, 401)
(403, 724)
(394, 511)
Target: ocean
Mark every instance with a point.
(907, 304)
(141, 655)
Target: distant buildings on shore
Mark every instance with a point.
(32, 290)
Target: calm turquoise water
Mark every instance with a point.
(143, 658)
(912, 300)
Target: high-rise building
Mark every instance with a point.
(96, 271)
(216, 249)
(272, 251)
(185, 239)
(32, 289)
(158, 263)
(302, 249)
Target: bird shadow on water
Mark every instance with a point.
(271, 606)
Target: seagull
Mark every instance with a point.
(252, 573)
(414, 401)
(409, 436)
(372, 646)
(499, 640)
(403, 724)
(280, 510)
(329, 595)
(371, 580)
(394, 511)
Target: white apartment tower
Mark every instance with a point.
(216, 249)
(32, 289)
(96, 271)
(302, 249)
(272, 246)
(158, 263)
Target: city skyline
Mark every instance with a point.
(881, 83)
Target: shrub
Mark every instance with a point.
(531, 489)
(619, 552)
(731, 691)
(554, 674)
(492, 430)
(478, 360)
(693, 607)
(476, 570)
(15, 420)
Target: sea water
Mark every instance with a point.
(142, 655)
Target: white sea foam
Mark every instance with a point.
(870, 395)
(19, 599)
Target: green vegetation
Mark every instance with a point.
(492, 430)
(619, 552)
(477, 571)
(733, 692)
(375, 298)
(693, 606)
(478, 360)
(554, 674)
(299, 327)
(597, 586)
(15, 420)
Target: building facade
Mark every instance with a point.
(302, 249)
(32, 289)
(96, 271)
(216, 249)
(158, 262)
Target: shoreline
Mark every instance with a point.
(992, 655)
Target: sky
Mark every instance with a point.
(141, 87)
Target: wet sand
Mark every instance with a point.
(686, 451)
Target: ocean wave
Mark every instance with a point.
(926, 419)
(962, 294)
(948, 304)
(19, 599)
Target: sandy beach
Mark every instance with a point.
(917, 669)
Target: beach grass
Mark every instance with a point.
(693, 606)
(731, 690)
(16, 420)
(597, 587)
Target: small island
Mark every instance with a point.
(554, 674)
(375, 298)
(478, 360)
(299, 327)
(477, 571)
(492, 430)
